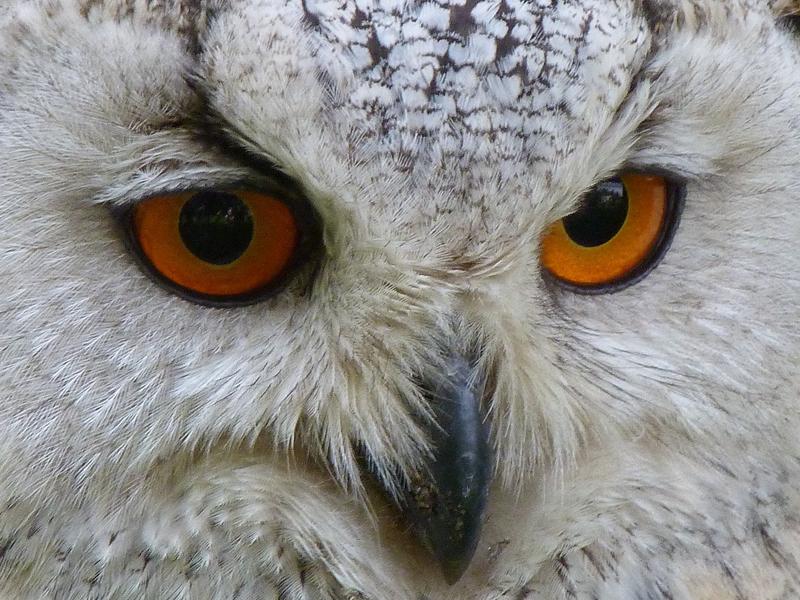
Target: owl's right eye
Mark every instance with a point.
(219, 247)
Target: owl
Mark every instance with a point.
(399, 299)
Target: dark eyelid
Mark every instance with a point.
(215, 130)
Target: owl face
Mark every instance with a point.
(418, 183)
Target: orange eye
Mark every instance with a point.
(217, 246)
(621, 230)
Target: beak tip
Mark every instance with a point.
(451, 530)
(455, 562)
(453, 569)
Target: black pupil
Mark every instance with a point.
(601, 216)
(216, 227)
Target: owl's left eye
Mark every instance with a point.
(219, 247)
(622, 229)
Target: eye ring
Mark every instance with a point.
(674, 196)
(305, 245)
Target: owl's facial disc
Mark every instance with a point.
(445, 503)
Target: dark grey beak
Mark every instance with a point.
(445, 503)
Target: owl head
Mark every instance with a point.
(347, 284)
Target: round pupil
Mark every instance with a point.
(216, 227)
(602, 215)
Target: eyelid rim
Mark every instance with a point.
(676, 201)
(308, 244)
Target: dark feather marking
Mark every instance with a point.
(592, 560)
(665, 593)
(6, 547)
(523, 593)
(725, 567)
(562, 570)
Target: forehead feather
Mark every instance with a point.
(452, 80)
(473, 76)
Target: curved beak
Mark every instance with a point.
(445, 504)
